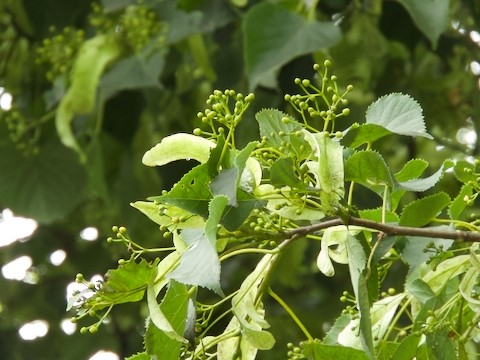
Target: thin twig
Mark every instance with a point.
(388, 229)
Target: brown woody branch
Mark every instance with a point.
(388, 229)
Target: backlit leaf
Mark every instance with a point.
(428, 182)
(315, 350)
(364, 134)
(459, 204)
(399, 114)
(369, 169)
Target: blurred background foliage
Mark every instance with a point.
(147, 70)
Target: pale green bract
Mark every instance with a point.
(179, 146)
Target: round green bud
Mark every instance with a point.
(197, 131)
(200, 115)
(115, 229)
(391, 291)
(221, 130)
(333, 78)
(93, 329)
(167, 234)
(121, 261)
(316, 67)
(122, 230)
(109, 240)
(239, 96)
(350, 87)
(306, 82)
(250, 97)
(327, 63)
(83, 330)
(338, 134)
(287, 97)
(79, 278)
(346, 112)
(297, 81)
(92, 313)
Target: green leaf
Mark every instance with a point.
(465, 171)
(174, 306)
(459, 204)
(369, 169)
(158, 317)
(426, 183)
(199, 264)
(411, 248)
(413, 169)
(341, 323)
(192, 192)
(421, 290)
(282, 172)
(135, 72)
(215, 208)
(277, 133)
(431, 17)
(423, 211)
(139, 356)
(386, 349)
(438, 278)
(315, 350)
(45, 187)
(274, 36)
(235, 215)
(407, 348)
(127, 283)
(399, 114)
(179, 146)
(259, 339)
(92, 59)
(152, 211)
(228, 180)
(378, 214)
(358, 135)
(442, 346)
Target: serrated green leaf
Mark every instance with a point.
(358, 135)
(413, 169)
(399, 114)
(423, 211)
(459, 204)
(274, 36)
(192, 192)
(174, 306)
(431, 17)
(127, 283)
(235, 215)
(315, 350)
(386, 350)
(426, 183)
(158, 317)
(139, 356)
(178, 147)
(276, 133)
(93, 57)
(369, 169)
(331, 338)
(45, 187)
(199, 264)
(378, 214)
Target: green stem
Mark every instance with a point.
(248, 251)
(291, 313)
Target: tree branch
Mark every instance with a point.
(388, 229)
